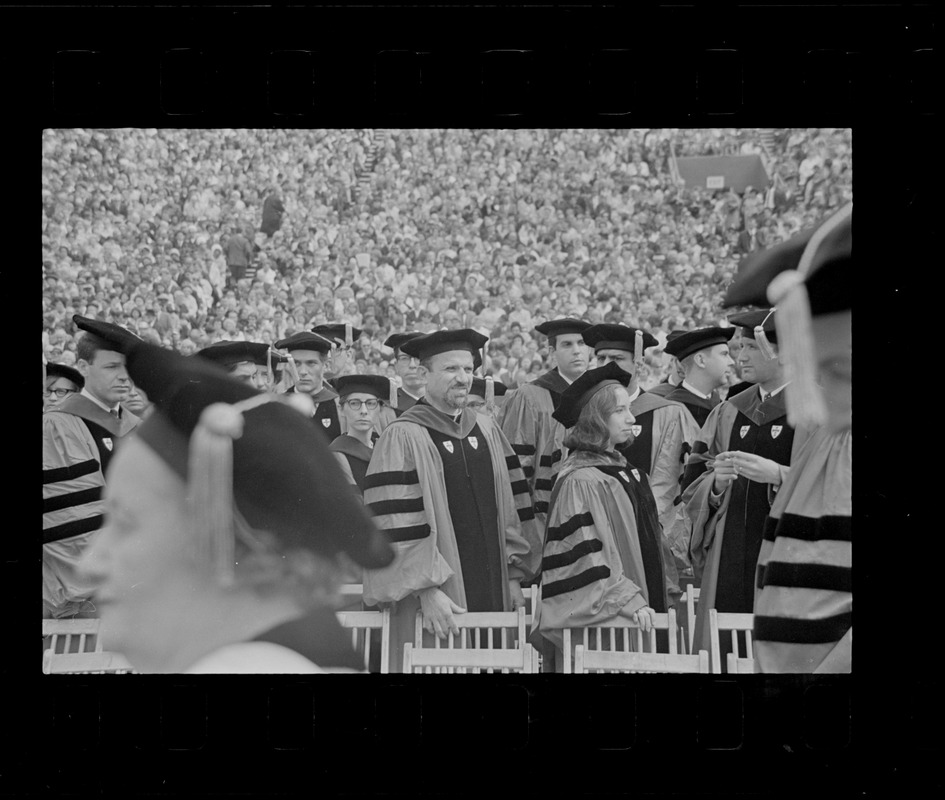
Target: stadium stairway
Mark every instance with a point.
(364, 178)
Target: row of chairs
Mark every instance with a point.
(486, 642)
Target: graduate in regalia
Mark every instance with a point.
(526, 417)
(309, 355)
(448, 490)
(738, 464)
(602, 556)
(360, 399)
(804, 604)
(228, 526)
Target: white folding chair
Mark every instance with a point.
(586, 661)
(350, 597)
(480, 632)
(466, 660)
(689, 601)
(728, 622)
(72, 635)
(90, 663)
(361, 624)
(530, 593)
(621, 634)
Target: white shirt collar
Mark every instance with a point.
(636, 394)
(695, 391)
(414, 396)
(87, 394)
(563, 377)
(765, 395)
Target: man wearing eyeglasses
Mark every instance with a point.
(359, 403)
(61, 381)
(79, 438)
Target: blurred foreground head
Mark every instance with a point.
(809, 279)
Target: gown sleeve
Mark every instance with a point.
(393, 493)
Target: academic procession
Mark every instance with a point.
(672, 503)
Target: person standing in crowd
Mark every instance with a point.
(446, 486)
(804, 604)
(526, 417)
(309, 355)
(675, 376)
(360, 399)
(239, 255)
(602, 556)
(661, 437)
(407, 369)
(272, 211)
(484, 400)
(137, 402)
(79, 438)
(705, 358)
(226, 518)
(739, 461)
(241, 359)
(61, 381)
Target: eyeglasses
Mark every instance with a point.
(355, 405)
(60, 393)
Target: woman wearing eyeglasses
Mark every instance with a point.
(61, 381)
(359, 402)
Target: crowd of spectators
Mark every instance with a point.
(162, 231)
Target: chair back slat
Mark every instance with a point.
(78, 663)
(361, 624)
(616, 661)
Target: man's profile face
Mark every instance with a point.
(448, 378)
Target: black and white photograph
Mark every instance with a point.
(447, 400)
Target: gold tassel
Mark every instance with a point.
(392, 395)
(349, 340)
(490, 393)
(638, 348)
(270, 376)
(788, 293)
(293, 370)
(210, 485)
(761, 338)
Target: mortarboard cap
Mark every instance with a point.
(395, 340)
(432, 344)
(62, 371)
(573, 399)
(617, 337)
(562, 327)
(303, 340)
(752, 321)
(338, 332)
(807, 277)
(820, 258)
(283, 478)
(114, 335)
(688, 342)
(230, 353)
(376, 385)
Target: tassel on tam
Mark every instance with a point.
(210, 485)
(392, 397)
(638, 348)
(761, 338)
(490, 393)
